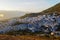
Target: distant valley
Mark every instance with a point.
(11, 14)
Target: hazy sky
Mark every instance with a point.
(23, 5)
(27, 5)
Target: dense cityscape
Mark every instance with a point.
(46, 24)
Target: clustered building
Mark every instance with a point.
(42, 23)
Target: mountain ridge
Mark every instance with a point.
(55, 8)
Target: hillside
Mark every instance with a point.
(32, 22)
(55, 8)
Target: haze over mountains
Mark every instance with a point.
(10, 14)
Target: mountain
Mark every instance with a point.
(55, 8)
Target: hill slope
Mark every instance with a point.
(55, 8)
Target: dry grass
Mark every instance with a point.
(27, 37)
